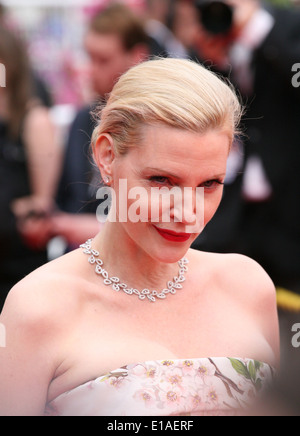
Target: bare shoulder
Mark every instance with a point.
(37, 115)
(48, 296)
(247, 275)
(39, 317)
(238, 274)
(248, 286)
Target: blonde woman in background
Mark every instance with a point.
(135, 322)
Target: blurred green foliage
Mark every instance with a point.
(280, 2)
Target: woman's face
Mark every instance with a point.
(170, 158)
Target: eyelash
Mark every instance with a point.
(158, 180)
(217, 182)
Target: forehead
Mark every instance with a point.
(172, 142)
(98, 43)
(178, 149)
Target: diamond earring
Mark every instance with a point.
(107, 180)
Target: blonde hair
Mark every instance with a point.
(172, 92)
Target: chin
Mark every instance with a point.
(169, 254)
(157, 247)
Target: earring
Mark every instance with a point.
(107, 180)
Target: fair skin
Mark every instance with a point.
(64, 327)
(108, 60)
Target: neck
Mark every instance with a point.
(124, 259)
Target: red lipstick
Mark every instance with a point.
(169, 235)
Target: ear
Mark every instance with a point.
(104, 154)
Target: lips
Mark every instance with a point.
(169, 235)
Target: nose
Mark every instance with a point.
(189, 209)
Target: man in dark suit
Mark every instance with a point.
(115, 41)
(260, 216)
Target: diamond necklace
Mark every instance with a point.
(117, 285)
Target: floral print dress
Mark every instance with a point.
(197, 387)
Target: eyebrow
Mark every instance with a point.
(167, 173)
(164, 172)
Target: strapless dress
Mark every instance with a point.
(191, 387)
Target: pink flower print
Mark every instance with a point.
(145, 396)
(187, 366)
(172, 398)
(194, 399)
(115, 382)
(212, 395)
(151, 372)
(144, 371)
(206, 370)
(167, 362)
(174, 377)
(138, 370)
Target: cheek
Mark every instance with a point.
(211, 205)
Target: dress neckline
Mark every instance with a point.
(243, 366)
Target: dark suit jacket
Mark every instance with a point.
(269, 232)
(77, 192)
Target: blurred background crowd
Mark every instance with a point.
(62, 59)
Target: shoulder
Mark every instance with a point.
(36, 115)
(45, 302)
(38, 123)
(248, 286)
(247, 275)
(256, 294)
(237, 273)
(39, 317)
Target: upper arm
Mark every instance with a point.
(27, 361)
(257, 293)
(39, 131)
(44, 154)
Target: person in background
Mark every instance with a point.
(29, 167)
(115, 41)
(185, 25)
(158, 22)
(38, 85)
(260, 214)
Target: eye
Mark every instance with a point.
(212, 184)
(160, 180)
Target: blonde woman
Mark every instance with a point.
(135, 322)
